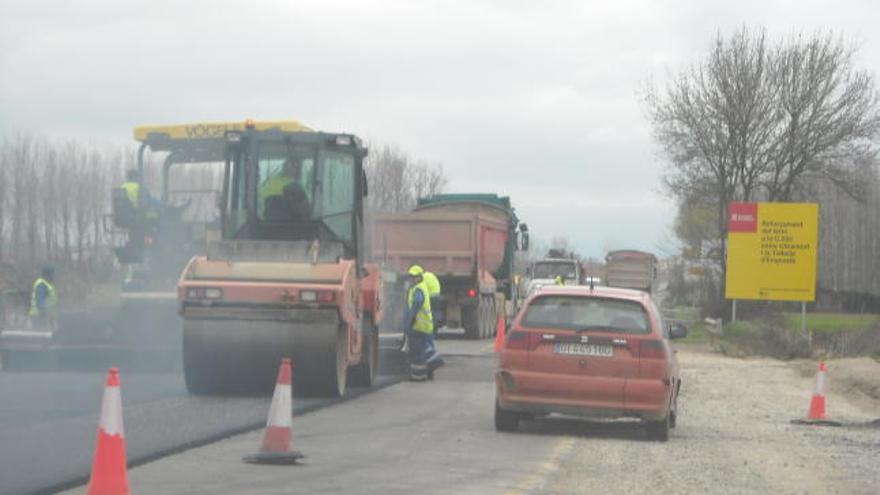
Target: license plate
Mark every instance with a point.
(577, 349)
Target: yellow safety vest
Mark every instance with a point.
(132, 192)
(51, 301)
(275, 185)
(559, 281)
(424, 322)
(433, 284)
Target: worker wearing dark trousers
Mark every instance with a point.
(43, 299)
(434, 360)
(419, 323)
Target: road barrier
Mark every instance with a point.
(499, 334)
(109, 475)
(816, 414)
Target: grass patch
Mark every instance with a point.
(769, 336)
(779, 335)
(691, 317)
(834, 322)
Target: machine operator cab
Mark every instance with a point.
(302, 187)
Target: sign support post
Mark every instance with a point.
(804, 317)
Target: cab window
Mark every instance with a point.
(285, 183)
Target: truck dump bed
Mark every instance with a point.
(451, 240)
(630, 269)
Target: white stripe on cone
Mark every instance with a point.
(820, 383)
(281, 410)
(111, 412)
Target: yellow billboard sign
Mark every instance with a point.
(771, 251)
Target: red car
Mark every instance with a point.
(593, 352)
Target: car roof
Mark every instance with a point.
(598, 291)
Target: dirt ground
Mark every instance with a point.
(735, 434)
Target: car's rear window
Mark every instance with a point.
(586, 313)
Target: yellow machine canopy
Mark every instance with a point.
(211, 130)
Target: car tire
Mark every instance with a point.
(673, 412)
(505, 421)
(658, 431)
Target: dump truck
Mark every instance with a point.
(545, 271)
(631, 269)
(143, 328)
(287, 277)
(468, 241)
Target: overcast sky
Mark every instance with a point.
(534, 99)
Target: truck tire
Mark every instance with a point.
(363, 374)
(322, 372)
(488, 304)
(471, 321)
(493, 317)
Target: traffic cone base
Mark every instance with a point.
(499, 334)
(277, 458)
(275, 448)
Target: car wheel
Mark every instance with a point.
(505, 420)
(658, 431)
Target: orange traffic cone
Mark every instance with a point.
(277, 437)
(109, 475)
(817, 403)
(499, 334)
(816, 414)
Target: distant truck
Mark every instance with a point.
(468, 241)
(631, 269)
(544, 272)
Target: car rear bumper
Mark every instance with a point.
(641, 398)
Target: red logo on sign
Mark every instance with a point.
(742, 217)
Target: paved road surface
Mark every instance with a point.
(48, 420)
(734, 436)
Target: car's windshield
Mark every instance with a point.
(586, 313)
(554, 269)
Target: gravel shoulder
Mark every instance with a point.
(734, 436)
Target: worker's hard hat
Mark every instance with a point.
(416, 271)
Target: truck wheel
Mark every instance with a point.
(363, 374)
(487, 316)
(470, 320)
(323, 372)
(493, 318)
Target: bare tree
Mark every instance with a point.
(754, 122)
(396, 181)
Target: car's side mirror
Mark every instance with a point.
(525, 241)
(677, 330)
